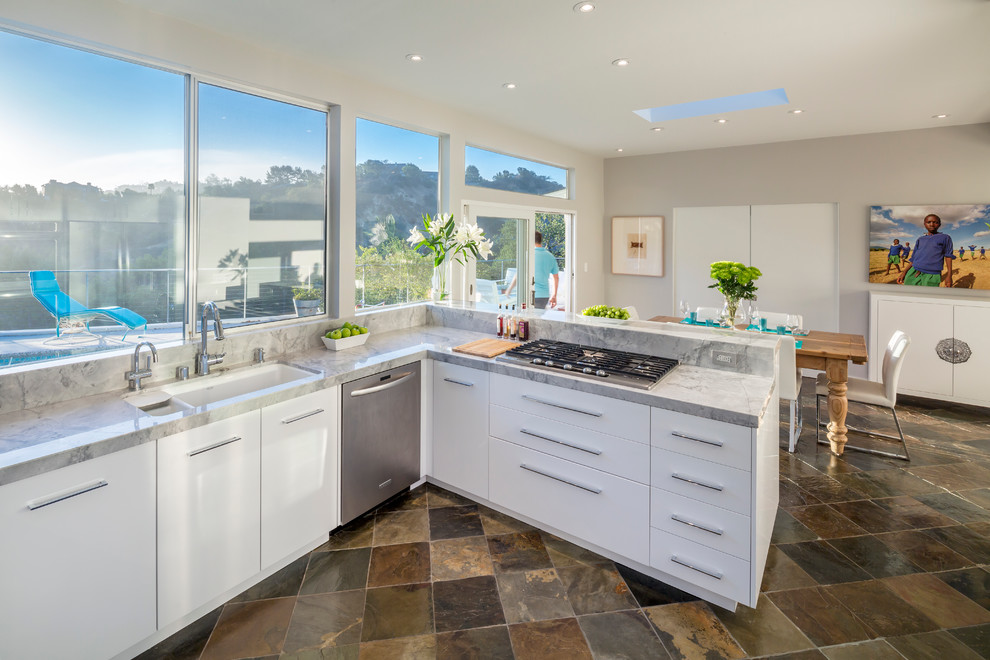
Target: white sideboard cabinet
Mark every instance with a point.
(949, 356)
(77, 578)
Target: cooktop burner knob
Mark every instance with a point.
(601, 372)
(550, 363)
(588, 370)
(567, 367)
(537, 360)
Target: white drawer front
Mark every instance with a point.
(708, 525)
(615, 517)
(589, 411)
(711, 440)
(696, 479)
(716, 571)
(624, 458)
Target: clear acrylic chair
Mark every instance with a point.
(882, 394)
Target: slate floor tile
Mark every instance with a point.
(924, 551)
(825, 522)
(455, 559)
(564, 553)
(691, 630)
(820, 616)
(938, 601)
(468, 603)
(252, 629)
(957, 476)
(496, 522)
(827, 490)
(974, 583)
(625, 635)
(453, 522)
(913, 512)
(932, 646)
(441, 497)
(955, 507)
(975, 637)
(559, 639)
(338, 570)
(874, 556)
(419, 647)
(791, 495)
(355, 534)
(533, 596)
(823, 562)
(978, 496)
(595, 589)
(871, 517)
(880, 609)
(763, 630)
(476, 644)
(401, 611)
(874, 650)
(518, 552)
(649, 591)
(403, 526)
(788, 529)
(282, 584)
(403, 563)
(887, 483)
(188, 643)
(325, 621)
(963, 540)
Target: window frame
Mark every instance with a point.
(568, 172)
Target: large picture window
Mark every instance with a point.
(397, 182)
(490, 169)
(93, 208)
(262, 205)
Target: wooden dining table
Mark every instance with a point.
(830, 352)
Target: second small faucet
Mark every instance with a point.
(203, 359)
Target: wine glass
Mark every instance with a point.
(792, 323)
(754, 314)
(685, 309)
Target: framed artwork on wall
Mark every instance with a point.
(637, 245)
(949, 251)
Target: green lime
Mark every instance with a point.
(363, 330)
(345, 333)
(335, 334)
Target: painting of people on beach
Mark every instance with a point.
(939, 245)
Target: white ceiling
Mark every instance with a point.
(853, 66)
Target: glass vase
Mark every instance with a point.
(729, 310)
(440, 283)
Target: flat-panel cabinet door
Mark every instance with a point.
(298, 473)
(77, 566)
(971, 379)
(926, 324)
(460, 427)
(208, 513)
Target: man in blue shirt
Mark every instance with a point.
(932, 254)
(544, 267)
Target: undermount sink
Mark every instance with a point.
(200, 392)
(211, 389)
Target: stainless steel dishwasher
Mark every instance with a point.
(379, 452)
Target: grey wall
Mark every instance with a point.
(932, 166)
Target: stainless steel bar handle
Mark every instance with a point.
(697, 482)
(714, 443)
(64, 495)
(596, 452)
(215, 445)
(302, 416)
(459, 382)
(590, 489)
(691, 523)
(676, 560)
(559, 405)
(378, 388)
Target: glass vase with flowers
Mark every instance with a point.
(736, 282)
(448, 242)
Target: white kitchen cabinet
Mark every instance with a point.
(77, 576)
(933, 321)
(460, 427)
(209, 531)
(299, 482)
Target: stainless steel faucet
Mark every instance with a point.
(204, 359)
(136, 373)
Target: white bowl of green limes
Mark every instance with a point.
(346, 336)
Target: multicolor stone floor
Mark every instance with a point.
(871, 559)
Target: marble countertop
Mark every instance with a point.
(38, 440)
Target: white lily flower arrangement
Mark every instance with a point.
(443, 239)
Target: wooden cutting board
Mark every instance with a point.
(488, 348)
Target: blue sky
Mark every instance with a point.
(966, 224)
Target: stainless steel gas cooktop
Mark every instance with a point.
(615, 367)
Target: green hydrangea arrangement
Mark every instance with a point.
(734, 280)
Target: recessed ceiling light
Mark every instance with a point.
(413, 57)
(657, 129)
(721, 121)
(620, 62)
(509, 85)
(939, 116)
(619, 149)
(795, 112)
(584, 7)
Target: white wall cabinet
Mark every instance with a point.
(77, 577)
(460, 427)
(209, 486)
(299, 481)
(962, 374)
(794, 245)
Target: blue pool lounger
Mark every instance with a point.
(46, 291)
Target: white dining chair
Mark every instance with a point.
(789, 365)
(633, 314)
(705, 313)
(872, 393)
